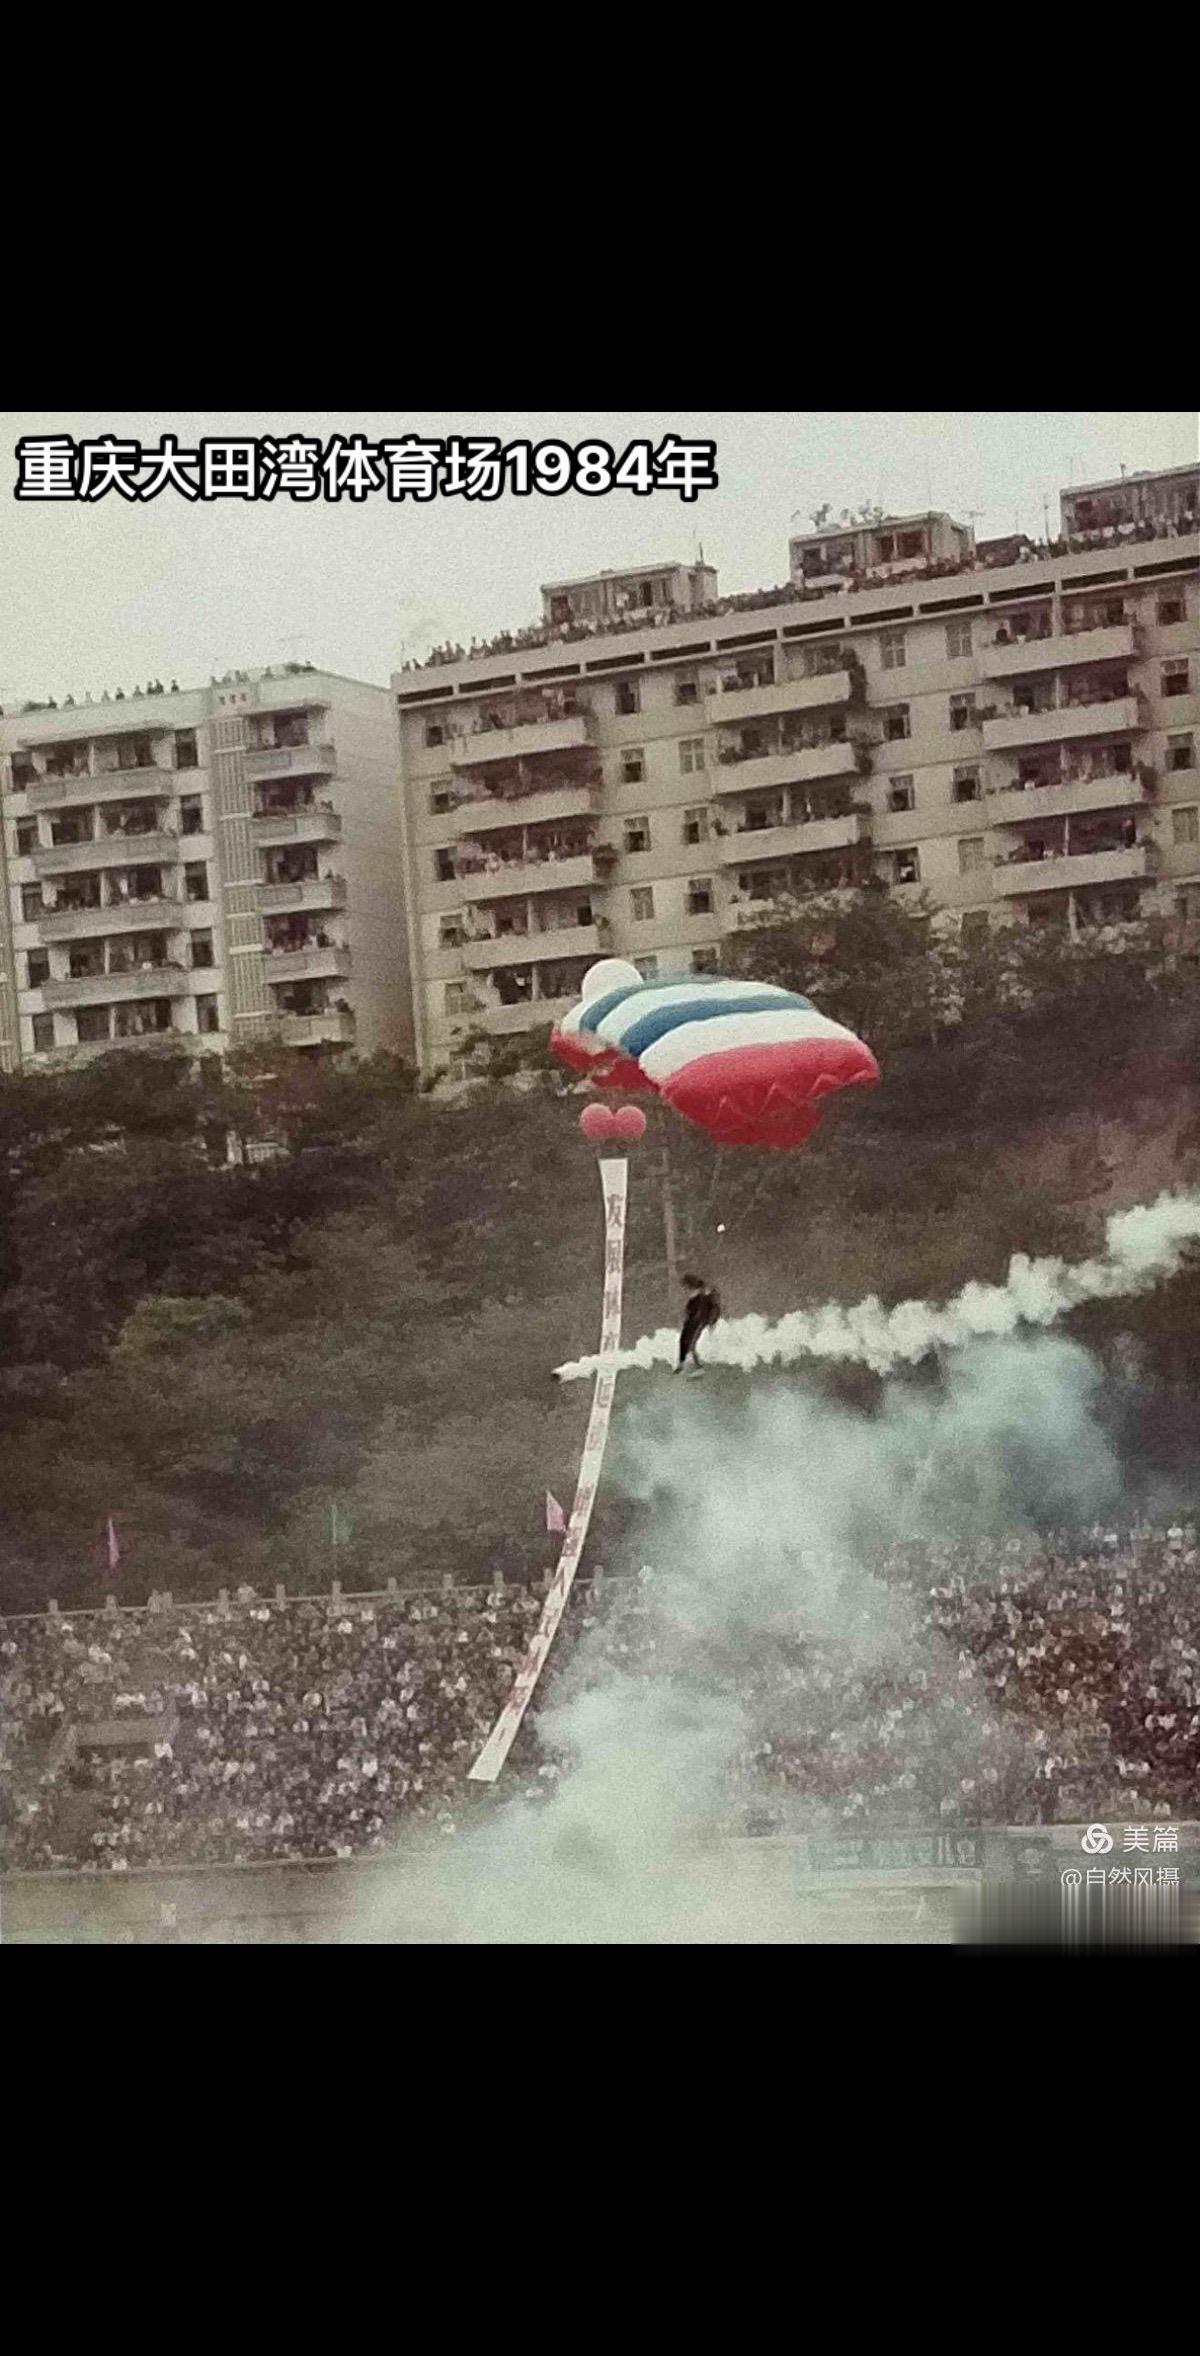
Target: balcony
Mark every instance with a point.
(272, 829)
(533, 1014)
(101, 989)
(305, 965)
(749, 845)
(732, 704)
(1117, 790)
(311, 891)
(1075, 872)
(103, 785)
(125, 916)
(570, 940)
(539, 875)
(486, 814)
(157, 849)
(530, 742)
(764, 771)
(146, 1042)
(1067, 722)
(289, 760)
(335, 1028)
(1022, 659)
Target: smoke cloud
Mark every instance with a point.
(759, 1524)
(1143, 1247)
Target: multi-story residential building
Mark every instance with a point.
(221, 864)
(1016, 738)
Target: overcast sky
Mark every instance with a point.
(110, 595)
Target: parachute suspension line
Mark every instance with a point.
(755, 1192)
(614, 1179)
(718, 1160)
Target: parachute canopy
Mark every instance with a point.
(748, 1062)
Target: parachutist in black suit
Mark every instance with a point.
(702, 1312)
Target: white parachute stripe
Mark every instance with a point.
(620, 1019)
(614, 1178)
(766, 1029)
(1144, 1247)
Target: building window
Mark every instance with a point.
(691, 754)
(970, 853)
(973, 931)
(186, 751)
(1171, 609)
(633, 765)
(441, 798)
(686, 691)
(1175, 678)
(208, 1015)
(705, 961)
(43, 1033)
(965, 785)
(27, 837)
(642, 903)
(1180, 754)
(629, 697)
(700, 896)
(195, 880)
(32, 903)
(450, 932)
(39, 969)
(893, 648)
(901, 795)
(962, 711)
(443, 866)
(958, 638)
(202, 950)
(1185, 826)
(647, 967)
(637, 834)
(435, 732)
(456, 998)
(907, 867)
(896, 723)
(695, 825)
(191, 815)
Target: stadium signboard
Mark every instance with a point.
(896, 1853)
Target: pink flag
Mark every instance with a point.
(114, 1551)
(555, 1518)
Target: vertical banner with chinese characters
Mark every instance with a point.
(614, 1179)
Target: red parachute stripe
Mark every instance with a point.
(768, 1095)
(604, 1066)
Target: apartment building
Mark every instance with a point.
(222, 865)
(1017, 738)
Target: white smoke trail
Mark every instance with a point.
(1144, 1246)
(655, 1732)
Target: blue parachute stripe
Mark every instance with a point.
(596, 1008)
(645, 1029)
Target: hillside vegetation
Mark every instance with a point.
(219, 1351)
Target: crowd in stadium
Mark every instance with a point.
(991, 1681)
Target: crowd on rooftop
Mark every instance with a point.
(1036, 1678)
(1006, 553)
